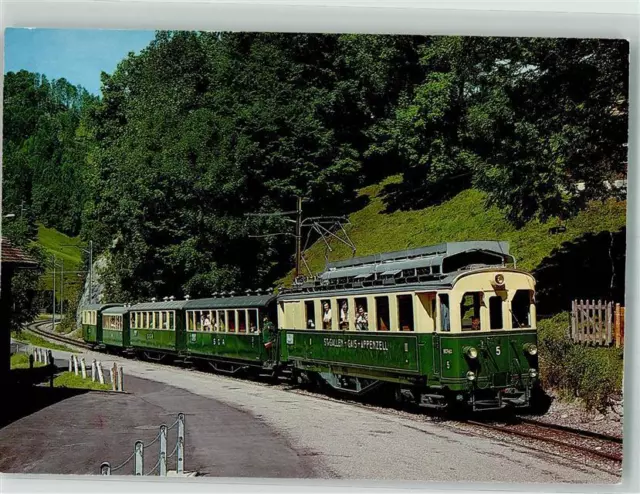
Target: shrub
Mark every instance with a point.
(593, 374)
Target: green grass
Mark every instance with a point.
(464, 217)
(21, 361)
(27, 337)
(70, 380)
(56, 243)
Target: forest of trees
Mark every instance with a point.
(201, 128)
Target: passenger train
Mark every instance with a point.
(450, 325)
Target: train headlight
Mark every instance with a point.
(531, 349)
(471, 376)
(499, 279)
(471, 352)
(533, 373)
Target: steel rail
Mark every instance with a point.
(537, 437)
(573, 430)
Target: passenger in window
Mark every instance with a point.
(475, 323)
(326, 317)
(207, 323)
(344, 316)
(362, 320)
(311, 324)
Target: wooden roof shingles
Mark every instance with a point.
(10, 254)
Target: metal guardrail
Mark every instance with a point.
(139, 449)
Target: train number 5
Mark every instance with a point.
(498, 350)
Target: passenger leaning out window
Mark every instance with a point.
(326, 317)
(362, 320)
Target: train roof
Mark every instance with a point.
(434, 266)
(163, 305)
(240, 302)
(98, 306)
(116, 311)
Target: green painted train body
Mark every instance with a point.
(452, 323)
(92, 322)
(228, 329)
(115, 327)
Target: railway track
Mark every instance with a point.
(584, 442)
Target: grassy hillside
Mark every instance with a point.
(462, 218)
(65, 250)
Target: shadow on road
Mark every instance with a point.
(28, 392)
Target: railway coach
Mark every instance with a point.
(91, 321)
(451, 324)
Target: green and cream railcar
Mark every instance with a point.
(453, 323)
(91, 321)
(227, 331)
(115, 327)
(156, 329)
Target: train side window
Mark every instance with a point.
(327, 315)
(310, 314)
(222, 320)
(172, 320)
(242, 321)
(405, 312)
(343, 313)
(470, 311)
(231, 321)
(521, 309)
(253, 320)
(382, 313)
(362, 314)
(445, 316)
(495, 312)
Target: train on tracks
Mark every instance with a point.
(446, 326)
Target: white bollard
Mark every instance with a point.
(70, 364)
(94, 370)
(100, 374)
(83, 368)
(75, 365)
(38, 355)
(120, 380)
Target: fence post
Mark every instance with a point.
(572, 329)
(75, 365)
(617, 325)
(163, 450)
(105, 468)
(608, 318)
(50, 359)
(114, 377)
(120, 380)
(600, 332)
(180, 446)
(83, 368)
(31, 359)
(100, 374)
(70, 364)
(94, 370)
(139, 457)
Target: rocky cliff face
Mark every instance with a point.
(92, 292)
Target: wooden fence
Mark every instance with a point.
(597, 323)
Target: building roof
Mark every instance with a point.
(9, 254)
(241, 302)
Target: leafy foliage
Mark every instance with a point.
(592, 374)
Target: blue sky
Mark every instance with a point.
(78, 55)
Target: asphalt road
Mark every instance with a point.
(350, 442)
(75, 435)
